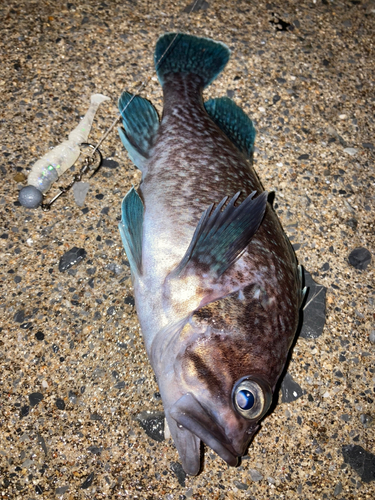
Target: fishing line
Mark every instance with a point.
(54, 163)
(95, 149)
(145, 82)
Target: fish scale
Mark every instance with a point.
(216, 281)
(204, 153)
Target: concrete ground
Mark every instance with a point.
(74, 376)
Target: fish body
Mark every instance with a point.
(55, 162)
(216, 282)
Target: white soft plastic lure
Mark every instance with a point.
(54, 163)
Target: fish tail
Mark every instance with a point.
(181, 53)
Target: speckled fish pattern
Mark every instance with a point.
(218, 306)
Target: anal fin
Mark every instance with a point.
(131, 227)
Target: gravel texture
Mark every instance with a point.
(76, 385)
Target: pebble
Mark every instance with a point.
(19, 317)
(120, 385)
(95, 450)
(371, 337)
(42, 443)
(314, 310)
(35, 398)
(290, 389)
(61, 490)
(19, 177)
(351, 151)
(27, 463)
(196, 5)
(88, 481)
(152, 422)
(39, 335)
(60, 404)
(240, 486)
(255, 475)
(109, 163)
(362, 461)
(72, 397)
(367, 420)
(80, 190)
(25, 410)
(360, 258)
(179, 472)
(129, 300)
(338, 489)
(71, 257)
(115, 268)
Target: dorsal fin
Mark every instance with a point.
(234, 122)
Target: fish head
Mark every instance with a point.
(216, 424)
(218, 385)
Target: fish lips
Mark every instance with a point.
(191, 415)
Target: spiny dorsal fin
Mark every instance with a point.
(234, 122)
(131, 227)
(141, 122)
(221, 237)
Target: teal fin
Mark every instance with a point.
(141, 122)
(220, 238)
(181, 53)
(234, 122)
(130, 227)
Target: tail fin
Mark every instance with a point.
(190, 54)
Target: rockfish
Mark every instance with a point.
(216, 282)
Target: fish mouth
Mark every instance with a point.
(191, 415)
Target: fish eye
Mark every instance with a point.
(251, 397)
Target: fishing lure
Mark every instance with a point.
(56, 161)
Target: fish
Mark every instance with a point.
(55, 162)
(216, 282)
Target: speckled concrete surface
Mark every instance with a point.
(74, 374)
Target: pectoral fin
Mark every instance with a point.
(218, 241)
(141, 122)
(222, 236)
(130, 227)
